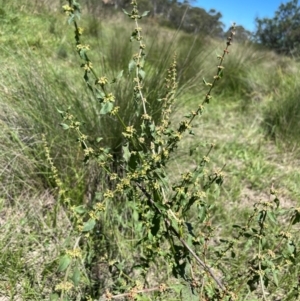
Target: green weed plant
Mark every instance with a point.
(173, 251)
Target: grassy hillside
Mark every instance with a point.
(253, 120)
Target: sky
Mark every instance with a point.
(242, 12)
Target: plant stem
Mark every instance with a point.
(183, 242)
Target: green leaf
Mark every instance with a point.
(126, 13)
(135, 215)
(275, 278)
(160, 206)
(76, 4)
(64, 262)
(80, 209)
(142, 61)
(202, 213)
(77, 15)
(131, 66)
(206, 83)
(54, 297)
(71, 19)
(106, 108)
(142, 74)
(98, 139)
(175, 225)
(99, 95)
(82, 54)
(187, 294)
(177, 288)
(59, 111)
(76, 276)
(64, 126)
(141, 298)
(272, 216)
(126, 152)
(89, 225)
(150, 236)
(145, 13)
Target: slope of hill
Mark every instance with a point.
(253, 119)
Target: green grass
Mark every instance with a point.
(40, 74)
(282, 116)
(253, 162)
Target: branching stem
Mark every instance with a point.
(183, 242)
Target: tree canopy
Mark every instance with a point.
(282, 32)
(176, 14)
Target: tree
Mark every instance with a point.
(199, 21)
(241, 34)
(282, 33)
(195, 19)
(174, 13)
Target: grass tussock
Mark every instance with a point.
(281, 118)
